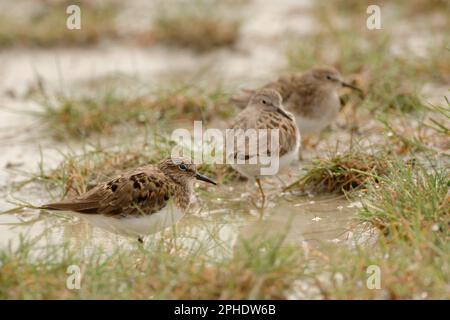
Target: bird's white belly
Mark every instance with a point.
(138, 225)
(291, 156)
(312, 125)
(247, 169)
(254, 170)
(328, 112)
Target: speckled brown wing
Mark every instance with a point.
(267, 120)
(288, 131)
(284, 85)
(305, 98)
(143, 191)
(299, 95)
(245, 120)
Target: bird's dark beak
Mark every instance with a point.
(280, 110)
(348, 85)
(198, 176)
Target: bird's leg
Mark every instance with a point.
(306, 144)
(305, 141)
(263, 196)
(314, 141)
(284, 184)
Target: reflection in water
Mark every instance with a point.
(322, 219)
(214, 224)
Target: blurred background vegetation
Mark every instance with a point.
(387, 156)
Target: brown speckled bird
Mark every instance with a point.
(311, 96)
(140, 202)
(265, 111)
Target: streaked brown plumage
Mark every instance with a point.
(265, 111)
(312, 96)
(141, 192)
(257, 116)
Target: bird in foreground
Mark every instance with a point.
(140, 202)
(311, 96)
(265, 111)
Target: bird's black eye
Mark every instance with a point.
(182, 167)
(264, 102)
(329, 77)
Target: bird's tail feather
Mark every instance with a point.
(77, 206)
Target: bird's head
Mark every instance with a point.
(269, 99)
(328, 77)
(182, 170)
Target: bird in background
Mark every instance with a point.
(264, 110)
(311, 96)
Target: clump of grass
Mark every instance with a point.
(411, 204)
(46, 26)
(81, 116)
(437, 124)
(403, 102)
(429, 135)
(341, 172)
(260, 270)
(413, 257)
(77, 173)
(406, 272)
(199, 26)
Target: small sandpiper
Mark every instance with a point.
(140, 202)
(312, 96)
(264, 113)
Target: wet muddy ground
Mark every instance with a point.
(220, 219)
(65, 69)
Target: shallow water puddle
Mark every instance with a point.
(214, 225)
(218, 224)
(322, 219)
(230, 218)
